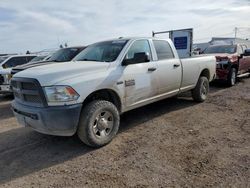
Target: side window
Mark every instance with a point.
(138, 47)
(20, 61)
(10, 62)
(15, 61)
(163, 49)
(29, 58)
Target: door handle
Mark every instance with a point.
(151, 69)
(176, 65)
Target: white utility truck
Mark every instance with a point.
(87, 95)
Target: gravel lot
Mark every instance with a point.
(174, 142)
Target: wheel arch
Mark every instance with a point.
(236, 66)
(105, 94)
(206, 73)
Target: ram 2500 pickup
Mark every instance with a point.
(233, 60)
(87, 95)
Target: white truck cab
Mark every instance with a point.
(106, 79)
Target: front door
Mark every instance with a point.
(139, 78)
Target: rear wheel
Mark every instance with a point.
(231, 80)
(200, 92)
(99, 123)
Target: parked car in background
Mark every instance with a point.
(232, 61)
(12, 61)
(62, 55)
(6, 65)
(87, 95)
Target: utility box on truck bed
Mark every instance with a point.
(182, 39)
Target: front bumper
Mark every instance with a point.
(60, 121)
(222, 74)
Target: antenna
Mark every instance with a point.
(235, 32)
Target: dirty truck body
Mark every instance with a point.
(87, 95)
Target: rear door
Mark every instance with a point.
(139, 78)
(169, 72)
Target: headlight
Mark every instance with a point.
(60, 94)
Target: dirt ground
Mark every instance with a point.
(172, 143)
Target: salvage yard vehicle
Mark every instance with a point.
(6, 66)
(87, 95)
(232, 61)
(62, 55)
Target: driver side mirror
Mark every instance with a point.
(140, 57)
(247, 52)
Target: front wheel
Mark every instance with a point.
(99, 123)
(231, 80)
(200, 92)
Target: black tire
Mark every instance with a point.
(232, 76)
(201, 90)
(94, 129)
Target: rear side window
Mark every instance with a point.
(163, 49)
(15, 61)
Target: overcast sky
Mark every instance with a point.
(40, 24)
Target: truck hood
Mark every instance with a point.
(224, 57)
(57, 72)
(32, 64)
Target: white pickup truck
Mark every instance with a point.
(87, 95)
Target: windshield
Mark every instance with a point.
(38, 58)
(229, 49)
(64, 55)
(103, 51)
(3, 58)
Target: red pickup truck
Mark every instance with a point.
(232, 61)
